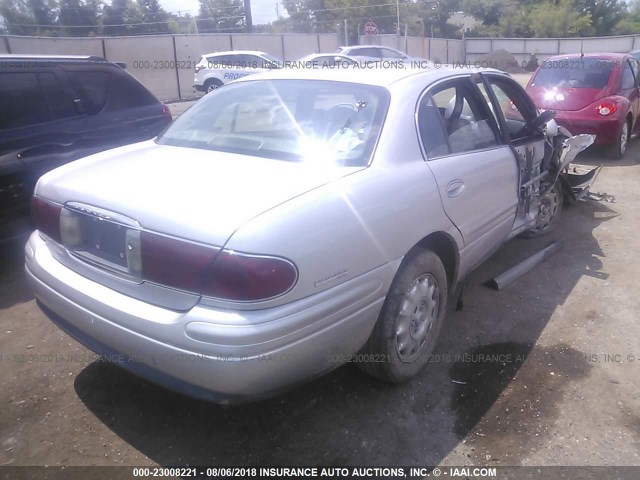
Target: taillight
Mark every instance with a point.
(166, 111)
(174, 263)
(606, 108)
(46, 217)
(240, 277)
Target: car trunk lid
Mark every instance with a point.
(194, 194)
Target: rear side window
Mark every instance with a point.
(628, 80)
(127, 93)
(451, 120)
(390, 53)
(60, 104)
(367, 52)
(93, 88)
(577, 73)
(22, 101)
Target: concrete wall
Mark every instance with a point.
(165, 63)
(522, 48)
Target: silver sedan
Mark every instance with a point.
(291, 222)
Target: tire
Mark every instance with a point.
(617, 149)
(212, 84)
(549, 212)
(410, 320)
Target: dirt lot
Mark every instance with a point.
(564, 391)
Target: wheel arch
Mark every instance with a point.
(443, 245)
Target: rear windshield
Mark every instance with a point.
(292, 120)
(575, 73)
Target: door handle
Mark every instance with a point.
(455, 188)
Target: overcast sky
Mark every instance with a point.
(263, 11)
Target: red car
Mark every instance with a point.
(593, 93)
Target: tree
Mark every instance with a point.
(221, 16)
(561, 19)
(44, 13)
(81, 18)
(18, 17)
(153, 13)
(604, 14)
(122, 17)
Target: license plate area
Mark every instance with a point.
(104, 239)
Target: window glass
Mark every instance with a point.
(59, 102)
(452, 120)
(93, 88)
(635, 66)
(219, 61)
(22, 101)
(308, 121)
(129, 93)
(386, 53)
(583, 73)
(366, 52)
(628, 80)
(515, 111)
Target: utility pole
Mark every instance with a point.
(277, 11)
(247, 16)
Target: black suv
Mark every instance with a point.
(55, 109)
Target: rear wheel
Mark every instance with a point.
(617, 149)
(410, 321)
(549, 210)
(212, 84)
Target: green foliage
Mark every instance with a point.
(559, 20)
(77, 13)
(221, 16)
(550, 18)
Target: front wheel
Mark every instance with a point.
(549, 210)
(617, 149)
(409, 323)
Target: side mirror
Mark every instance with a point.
(540, 120)
(550, 128)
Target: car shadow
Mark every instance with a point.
(13, 284)
(486, 367)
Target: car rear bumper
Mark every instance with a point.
(605, 129)
(199, 88)
(219, 355)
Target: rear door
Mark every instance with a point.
(475, 171)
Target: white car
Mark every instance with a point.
(217, 69)
(379, 53)
(327, 60)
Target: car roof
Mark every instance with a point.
(371, 46)
(236, 52)
(384, 77)
(596, 55)
(51, 58)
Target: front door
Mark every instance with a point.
(514, 110)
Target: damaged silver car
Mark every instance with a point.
(293, 220)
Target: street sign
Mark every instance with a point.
(370, 28)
